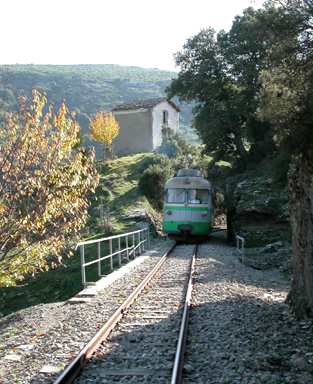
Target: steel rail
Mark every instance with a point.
(177, 372)
(74, 368)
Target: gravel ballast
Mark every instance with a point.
(240, 329)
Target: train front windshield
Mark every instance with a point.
(197, 196)
(191, 196)
(176, 195)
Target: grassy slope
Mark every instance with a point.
(121, 178)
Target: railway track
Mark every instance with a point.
(144, 339)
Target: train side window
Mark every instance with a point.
(198, 196)
(176, 195)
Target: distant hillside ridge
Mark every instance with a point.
(88, 88)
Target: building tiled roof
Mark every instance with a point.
(144, 103)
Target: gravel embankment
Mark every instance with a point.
(48, 336)
(240, 329)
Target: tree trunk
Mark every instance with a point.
(300, 296)
(108, 153)
(242, 160)
(230, 225)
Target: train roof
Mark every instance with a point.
(189, 172)
(188, 183)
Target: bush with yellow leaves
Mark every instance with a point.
(104, 128)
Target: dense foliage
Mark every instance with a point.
(287, 84)
(220, 72)
(44, 186)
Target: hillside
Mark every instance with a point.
(87, 88)
(125, 206)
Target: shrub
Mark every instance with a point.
(152, 182)
(152, 160)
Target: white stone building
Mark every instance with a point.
(144, 124)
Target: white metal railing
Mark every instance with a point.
(134, 244)
(240, 245)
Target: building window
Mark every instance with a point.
(165, 118)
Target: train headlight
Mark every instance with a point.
(169, 212)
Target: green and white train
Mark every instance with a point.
(188, 207)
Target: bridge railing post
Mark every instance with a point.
(82, 262)
(127, 250)
(111, 254)
(119, 252)
(99, 258)
(240, 246)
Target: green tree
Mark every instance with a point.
(44, 186)
(220, 72)
(287, 102)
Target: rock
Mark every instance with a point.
(284, 252)
(298, 362)
(267, 257)
(50, 369)
(133, 338)
(25, 347)
(87, 292)
(13, 357)
(188, 368)
(259, 210)
(270, 248)
(79, 300)
(137, 215)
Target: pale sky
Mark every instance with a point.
(143, 33)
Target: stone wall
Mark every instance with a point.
(135, 132)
